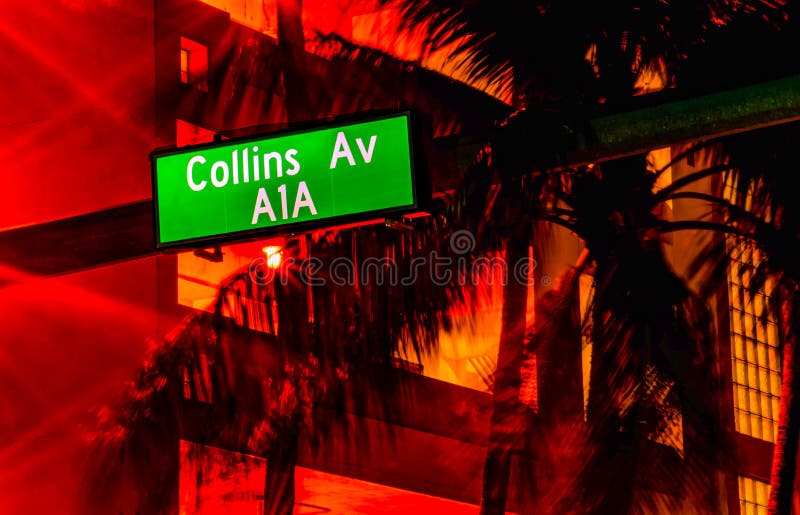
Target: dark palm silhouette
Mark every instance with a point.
(271, 355)
(546, 69)
(652, 352)
(276, 360)
(751, 212)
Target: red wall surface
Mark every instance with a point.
(77, 106)
(67, 345)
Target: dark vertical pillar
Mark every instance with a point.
(279, 478)
(506, 421)
(158, 471)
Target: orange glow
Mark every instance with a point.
(753, 496)
(383, 30)
(259, 15)
(756, 358)
(199, 278)
(274, 255)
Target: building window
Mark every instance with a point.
(185, 66)
(193, 64)
(586, 292)
(753, 496)
(755, 360)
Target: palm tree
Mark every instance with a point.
(507, 410)
(291, 47)
(321, 337)
(652, 358)
(622, 42)
(652, 352)
(271, 355)
(546, 68)
(758, 213)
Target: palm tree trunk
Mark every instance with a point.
(506, 410)
(279, 478)
(784, 463)
(291, 45)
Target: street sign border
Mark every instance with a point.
(420, 185)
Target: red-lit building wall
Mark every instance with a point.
(93, 88)
(77, 121)
(77, 114)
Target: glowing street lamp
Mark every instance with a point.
(274, 255)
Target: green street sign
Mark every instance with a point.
(295, 180)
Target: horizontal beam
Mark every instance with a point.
(80, 242)
(692, 119)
